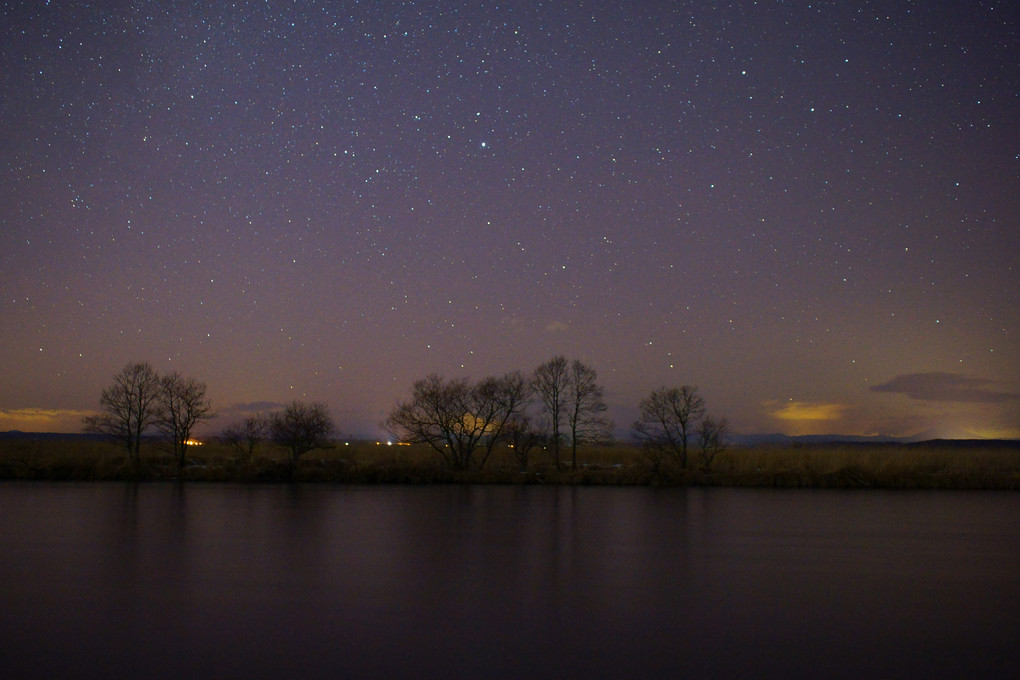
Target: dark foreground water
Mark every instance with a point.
(204, 581)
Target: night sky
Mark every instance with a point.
(808, 209)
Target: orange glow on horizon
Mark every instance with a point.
(800, 411)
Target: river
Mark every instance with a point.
(104, 580)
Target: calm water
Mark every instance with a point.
(114, 580)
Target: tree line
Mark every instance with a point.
(559, 406)
(556, 408)
(141, 400)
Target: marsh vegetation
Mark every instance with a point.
(938, 464)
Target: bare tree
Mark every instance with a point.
(438, 414)
(668, 417)
(711, 440)
(500, 400)
(522, 438)
(301, 427)
(551, 385)
(586, 407)
(460, 421)
(245, 435)
(181, 405)
(130, 406)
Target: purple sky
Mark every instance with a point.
(808, 209)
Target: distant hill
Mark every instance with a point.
(778, 438)
(18, 434)
(921, 439)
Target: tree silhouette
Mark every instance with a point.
(522, 438)
(586, 407)
(130, 407)
(668, 417)
(245, 435)
(460, 421)
(551, 384)
(301, 427)
(181, 405)
(711, 440)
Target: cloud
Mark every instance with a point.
(42, 419)
(557, 327)
(252, 407)
(937, 386)
(800, 411)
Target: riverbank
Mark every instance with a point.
(937, 464)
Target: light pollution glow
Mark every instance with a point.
(809, 213)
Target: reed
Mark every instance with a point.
(935, 464)
(928, 465)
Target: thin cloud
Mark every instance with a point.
(938, 386)
(252, 407)
(42, 419)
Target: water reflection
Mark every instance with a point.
(203, 580)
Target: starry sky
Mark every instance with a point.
(808, 209)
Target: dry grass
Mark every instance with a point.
(943, 465)
(936, 464)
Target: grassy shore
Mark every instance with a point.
(927, 465)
